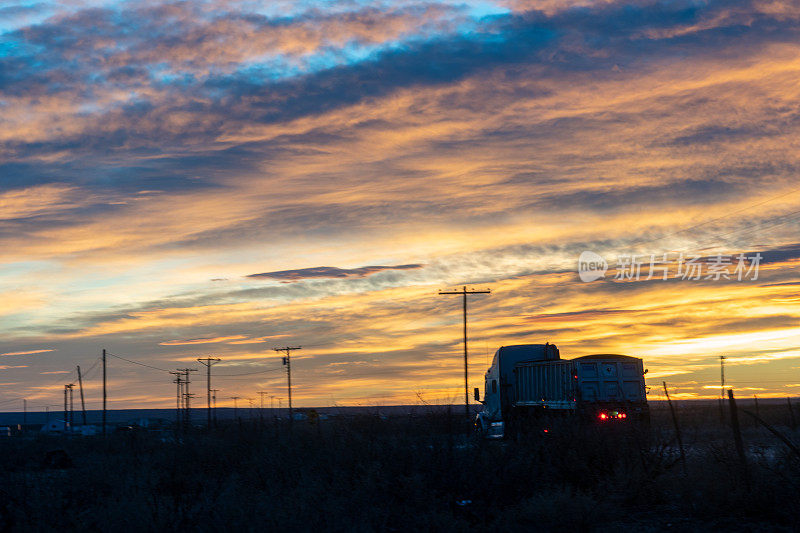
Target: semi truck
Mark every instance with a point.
(529, 384)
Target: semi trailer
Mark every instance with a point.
(529, 384)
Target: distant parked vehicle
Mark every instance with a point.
(529, 384)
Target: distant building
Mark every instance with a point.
(151, 423)
(56, 427)
(53, 427)
(86, 431)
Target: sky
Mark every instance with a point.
(221, 178)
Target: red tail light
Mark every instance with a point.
(603, 416)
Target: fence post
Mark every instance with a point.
(677, 428)
(737, 435)
(789, 444)
(755, 404)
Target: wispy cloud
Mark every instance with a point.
(30, 352)
(147, 148)
(330, 272)
(207, 340)
(258, 340)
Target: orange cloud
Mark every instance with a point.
(208, 340)
(258, 340)
(31, 352)
(497, 175)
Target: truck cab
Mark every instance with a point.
(499, 382)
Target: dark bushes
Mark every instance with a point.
(398, 474)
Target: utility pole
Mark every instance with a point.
(24, 412)
(287, 361)
(187, 395)
(722, 387)
(214, 404)
(464, 292)
(71, 409)
(261, 411)
(235, 406)
(722, 375)
(104, 392)
(83, 403)
(208, 362)
(178, 397)
(65, 408)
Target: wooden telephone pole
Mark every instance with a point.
(65, 408)
(71, 408)
(178, 397)
(287, 361)
(83, 403)
(236, 407)
(214, 404)
(722, 387)
(187, 396)
(464, 292)
(104, 393)
(208, 362)
(261, 410)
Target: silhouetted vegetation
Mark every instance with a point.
(371, 473)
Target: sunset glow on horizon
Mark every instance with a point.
(223, 177)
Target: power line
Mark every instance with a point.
(247, 373)
(88, 373)
(138, 363)
(717, 219)
(11, 400)
(773, 224)
(60, 378)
